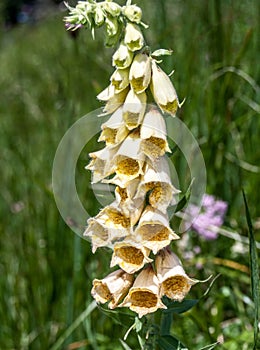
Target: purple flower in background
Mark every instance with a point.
(212, 214)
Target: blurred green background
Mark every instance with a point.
(48, 80)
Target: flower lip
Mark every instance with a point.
(130, 255)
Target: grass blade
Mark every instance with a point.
(254, 268)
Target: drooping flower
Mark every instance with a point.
(130, 255)
(134, 39)
(120, 79)
(101, 163)
(114, 130)
(153, 230)
(153, 134)
(157, 182)
(134, 109)
(129, 160)
(109, 225)
(144, 296)
(163, 91)
(112, 288)
(123, 57)
(140, 73)
(175, 283)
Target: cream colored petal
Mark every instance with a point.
(163, 91)
(133, 37)
(101, 163)
(115, 102)
(98, 234)
(123, 57)
(134, 109)
(107, 93)
(112, 288)
(120, 79)
(144, 296)
(133, 13)
(114, 130)
(153, 132)
(140, 73)
(175, 283)
(153, 230)
(129, 160)
(156, 179)
(130, 255)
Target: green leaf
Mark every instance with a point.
(181, 204)
(254, 269)
(168, 342)
(179, 308)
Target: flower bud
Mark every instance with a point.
(175, 284)
(140, 73)
(163, 90)
(123, 57)
(112, 8)
(133, 13)
(130, 255)
(143, 296)
(99, 16)
(111, 26)
(133, 37)
(112, 288)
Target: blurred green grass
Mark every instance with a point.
(48, 80)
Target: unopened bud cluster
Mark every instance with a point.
(136, 225)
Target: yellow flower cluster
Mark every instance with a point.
(136, 225)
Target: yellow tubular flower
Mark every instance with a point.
(134, 109)
(128, 161)
(143, 298)
(120, 79)
(123, 57)
(157, 181)
(134, 39)
(130, 255)
(153, 230)
(140, 73)
(163, 90)
(114, 130)
(101, 163)
(153, 133)
(112, 288)
(175, 284)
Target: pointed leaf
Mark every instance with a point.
(179, 308)
(254, 268)
(168, 342)
(161, 52)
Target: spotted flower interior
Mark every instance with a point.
(134, 159)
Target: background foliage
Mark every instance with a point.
(48, 80)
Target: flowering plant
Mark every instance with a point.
(149, 277)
